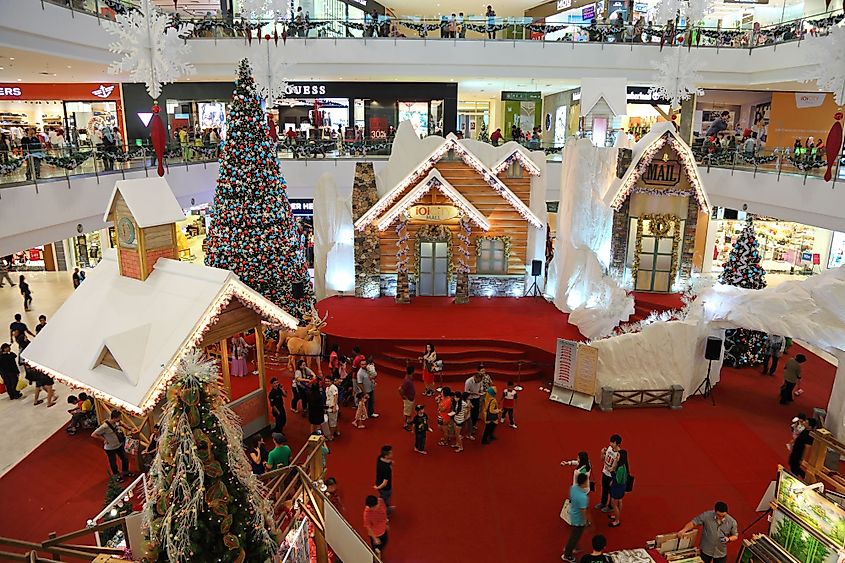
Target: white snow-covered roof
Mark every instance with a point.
(612, 90)
(146, 326)
(644, 152)
(412, 158)
(150, 200)
(432, 181)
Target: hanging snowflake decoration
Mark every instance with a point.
(692, 10)
(829, 71)
(676, 77)
(270, 76)
(152, 52)
(257, 9)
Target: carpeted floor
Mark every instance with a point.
(496, 503)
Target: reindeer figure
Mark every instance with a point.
(300, 332)
(310, 347)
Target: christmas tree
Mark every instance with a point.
(744, 347)
(253, 231)
(482, 133)
(204, 502)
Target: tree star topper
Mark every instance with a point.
(677, 75)
(151, 51)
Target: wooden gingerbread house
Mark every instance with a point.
(122, 333)
(457, 220)
(660, 215)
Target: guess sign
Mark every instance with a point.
(433, 213)
(662, 173)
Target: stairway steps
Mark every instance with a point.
(444, 350)
(472, 362)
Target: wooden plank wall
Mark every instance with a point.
(235, 318)
(504, 219)
(160, 236)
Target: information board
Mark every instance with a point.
(565, 363)
(586, 365)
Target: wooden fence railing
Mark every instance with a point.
(639, 398)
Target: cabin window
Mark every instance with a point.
(492, 258)
(515, 169)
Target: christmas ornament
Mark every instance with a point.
(676, 78)
(828, 54)
(158, 137)
(833, 145)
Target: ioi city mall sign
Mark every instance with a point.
(433, 213)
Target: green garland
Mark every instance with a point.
(439, 233)
(68, 162)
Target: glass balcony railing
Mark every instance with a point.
(469, 28)
(58, 164)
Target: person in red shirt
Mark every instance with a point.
(376, 523)
(496, 137)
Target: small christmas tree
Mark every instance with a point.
(483, 136)
(744, 347)
(204, 502)
(253, 231)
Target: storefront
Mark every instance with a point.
(68, 114)
(523, 110)
(474, 118)
(315, 108)
(561, 12)
(560, 117)
(786, 247)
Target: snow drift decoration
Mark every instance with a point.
(692, 10)
(596, 302)
(829, 70)
(151, 51)
(270, 74)
(676, 77)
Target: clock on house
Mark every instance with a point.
(126, 232)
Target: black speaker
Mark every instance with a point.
(298, 289)
(713, 351)
(536, 267)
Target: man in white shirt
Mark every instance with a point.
(332, 409)
(474, 388)
(609, 457)
(366, 385)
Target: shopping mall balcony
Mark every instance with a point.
(413, 48)
(74, 186)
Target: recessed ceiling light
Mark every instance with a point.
(1, 68)
(68, 66)
(20, 79)
(11, 58)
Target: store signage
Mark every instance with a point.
(806, 256)
(662, 173)
(805, 100)
(641, 7)
(564, 4)
(588, 13)
(302, 207)
(359, 2)
(552, 206)
(522, 96)
(433, 213)
(311, 89)
(145, 117)
(633, 95)
(10, 91)
(103, 91)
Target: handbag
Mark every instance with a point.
(629, 486)
(22, 384)
(564, 512)
(437, 365)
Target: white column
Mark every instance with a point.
(836, 406)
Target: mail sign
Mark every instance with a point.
(433, 213)
(662, 173)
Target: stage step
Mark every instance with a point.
(455, 373)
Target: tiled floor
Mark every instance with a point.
(25, 426)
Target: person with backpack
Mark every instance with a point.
(621, 478)
(114, 443)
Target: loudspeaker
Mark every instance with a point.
(536, 267)
(298, 289)
(713, 351)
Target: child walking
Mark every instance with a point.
(799, 423)
(421, 427)
(361, 412)
(460, 417)
(508, 403)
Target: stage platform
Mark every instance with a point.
(514, 337)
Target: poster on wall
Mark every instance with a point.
(417, 114)
(560, 125)
(837, 250)
(811, 509)
(213, 115)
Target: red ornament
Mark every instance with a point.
(833, 145)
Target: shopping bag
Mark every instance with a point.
(22, 384)
(564, 513)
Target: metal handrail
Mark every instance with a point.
(513, 28)
(22, 168)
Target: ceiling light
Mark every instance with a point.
(1, 68)
(68, 66)
(11, 58)
(20, 79)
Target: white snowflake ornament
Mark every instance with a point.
(270, 74)
(151, 51)
(829, 70)
(667, 10)
(696, 10)
(256, 9)
(676, 77)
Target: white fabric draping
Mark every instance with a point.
(334, 238)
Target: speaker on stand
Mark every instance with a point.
(536, 272)
(712, 351)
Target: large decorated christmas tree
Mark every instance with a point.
(204, 503)
(253, 230)
(742, 269)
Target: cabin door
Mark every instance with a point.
(434, 270)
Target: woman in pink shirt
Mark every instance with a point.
(376, 523)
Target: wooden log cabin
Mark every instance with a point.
(459, 223)
(141, 310)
